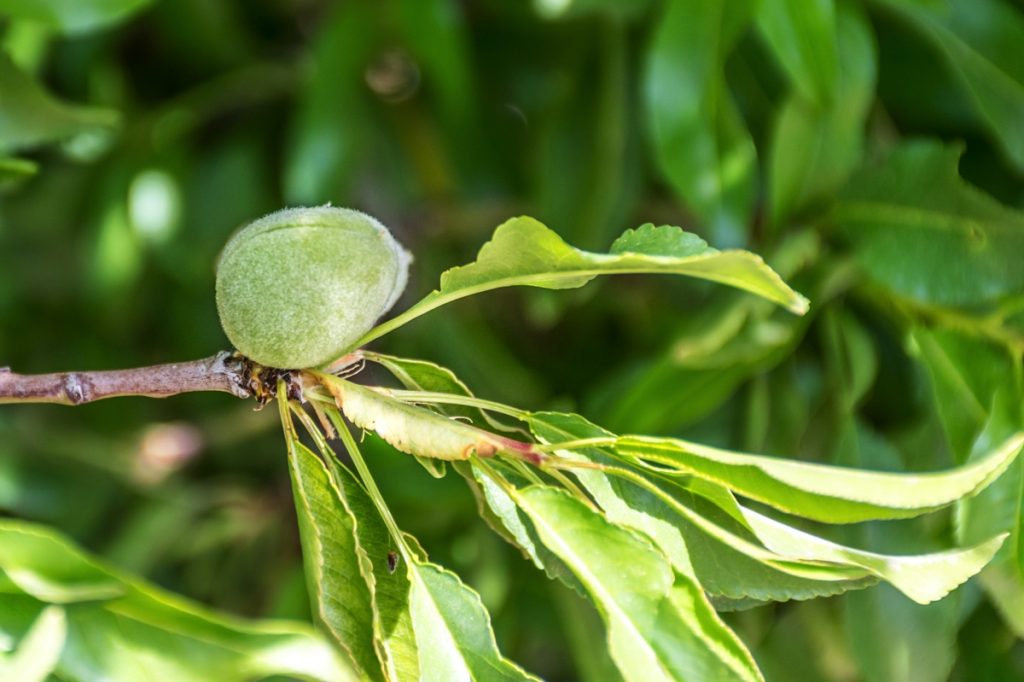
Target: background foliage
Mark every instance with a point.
(873, 151)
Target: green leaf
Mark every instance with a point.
(924, 578)
(694, 532)
(816, 144)
(515, 526)
(649, 240)
(39, 650)
(660, 625)
(1005, 588)
(589, 166)
(618, 9)
(30, 116)
(340, 596)
(451, 627)
(997, 509)
(122, 628)
(699, 537)
(803, 37)
(583, 627)
(712, 353)
(699, 139)
(896, 640)
(421, 375)
(13, 169)
(982, 42)
(709, 353)
(333, 120)
(823, 492)
(72, 17)
(416, 430)
(911, 217)
(453, 630)
(392, 621)
(966, 375)
(523, 252)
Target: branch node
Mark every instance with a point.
(74, 388)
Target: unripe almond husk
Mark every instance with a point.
(296, 288)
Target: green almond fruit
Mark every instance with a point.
(296, 288)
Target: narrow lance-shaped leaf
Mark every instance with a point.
(74, 16)
(1000, 508)
(823, 492)
(14, 169)
(813, 566)
(39, 650)
(910, 216)
(699, 139)
(30, 116)
(523, 252)
(341, 598)
(802, 35)
(982, 42)
(418, 431)
(514, 525)
(452, 629)
(122, 624)
(694, 530)
(389, 589)
(815, 146)
(422, 375)
(924, 578)
(660, 626)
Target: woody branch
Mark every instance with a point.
(222, 372)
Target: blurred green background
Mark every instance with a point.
(136, 136)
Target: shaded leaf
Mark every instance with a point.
(982, 42)
(803, 37)
(122, 628)
(73, 16)
(699, 140)
(13, 169)
(966, 375)
(709, 354)
(816, 144)
(895, 640)
(30, 116)
(911, 216)
(333, 118)
(997, 509)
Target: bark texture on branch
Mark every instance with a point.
(222, 372)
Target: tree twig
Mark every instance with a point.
(221, 372)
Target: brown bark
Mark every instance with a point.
(222, 372)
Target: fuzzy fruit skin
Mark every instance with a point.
(297, 287)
